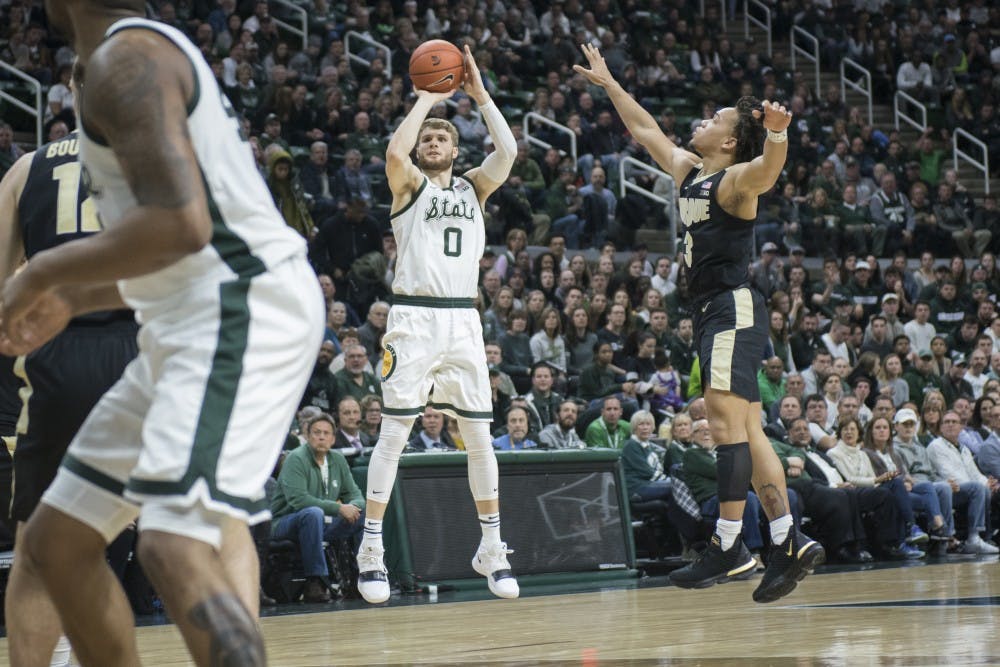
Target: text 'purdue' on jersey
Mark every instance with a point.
(440, 235)
(717, 245)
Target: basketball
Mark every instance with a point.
(437, 66)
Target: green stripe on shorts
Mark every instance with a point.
(468, 414)
(431, 301)
(95, 477)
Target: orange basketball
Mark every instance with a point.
(437, 66)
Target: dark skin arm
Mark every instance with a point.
(138, 104)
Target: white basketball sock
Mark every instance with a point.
(728, 532)
(780, 528)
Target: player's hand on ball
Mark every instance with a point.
(776, 117)
(433, 97)
(472, 82)
(598, 73)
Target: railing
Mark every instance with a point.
(535, 141)
(38, 111)
(351, 34)
(302, 30)
(764, 25)
(863, 90)
(899, 113)
(722, 11)
(669, 203)
(812, 56)
(956, 153)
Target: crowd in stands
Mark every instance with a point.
(881, 384)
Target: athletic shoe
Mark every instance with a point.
(904, 551)
(789, 564)
(715, 566)
(491, 562)
(976, 545)
(373, 578)
(316, 591)
(917, 536)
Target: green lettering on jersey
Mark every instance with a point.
(443, 207)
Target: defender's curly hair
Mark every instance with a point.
(749, 131)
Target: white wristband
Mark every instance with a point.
(777, 137)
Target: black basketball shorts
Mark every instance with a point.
(731, 334)
(64, 380)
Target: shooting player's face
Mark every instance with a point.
(435, 150)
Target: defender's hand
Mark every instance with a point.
(776, 117)
(598, 73)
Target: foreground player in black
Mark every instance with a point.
(719, 186)
(43, 204)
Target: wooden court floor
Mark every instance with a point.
(933, 614)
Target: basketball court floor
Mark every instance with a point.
(938, 613)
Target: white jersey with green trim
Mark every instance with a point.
(249, 235)
(440, 238)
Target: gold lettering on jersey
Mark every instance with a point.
(68, 146)
(693, 210)
(445, 208)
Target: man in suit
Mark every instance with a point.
(350, 440)
(432, 437)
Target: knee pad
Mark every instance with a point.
(484, 476)
(734, 467)
(385, 457)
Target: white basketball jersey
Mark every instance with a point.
(440, 237)
(249, 235)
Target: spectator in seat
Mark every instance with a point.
(954, 219)
(350, 440)
(371, 147)
(317, 180)
(856, 224)
(891, 210)
(542, 403)
(321, 390)
(289, 196)
(561, 434)
(516, 436)
(343, 239)
(316, 500)
(914, 78)
(370, 333)
(432, 436)
(353, 379)
(351, 181)
(608, 430)
(955, 463)
(598, 208)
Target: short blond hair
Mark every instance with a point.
(440, 124)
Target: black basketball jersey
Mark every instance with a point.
(717, 245)
(10, 401)
(55, 208)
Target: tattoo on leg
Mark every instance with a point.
(772, 500)
(236, 640)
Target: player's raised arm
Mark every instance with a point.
(11, 244)
(404, 177)
(496, 167)
(674, 160)
(760, 174)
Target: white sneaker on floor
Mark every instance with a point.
(373, 578)
(976, 545)
(491, 562)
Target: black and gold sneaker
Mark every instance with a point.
(715, 566)
(788, 564)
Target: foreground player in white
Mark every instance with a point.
(434, 337)
(228, 303)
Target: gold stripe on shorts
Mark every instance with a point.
(24, 392)
(724, 342)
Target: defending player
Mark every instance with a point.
(434, 336)
(719, 186)
(227, 301)
(44, 204)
